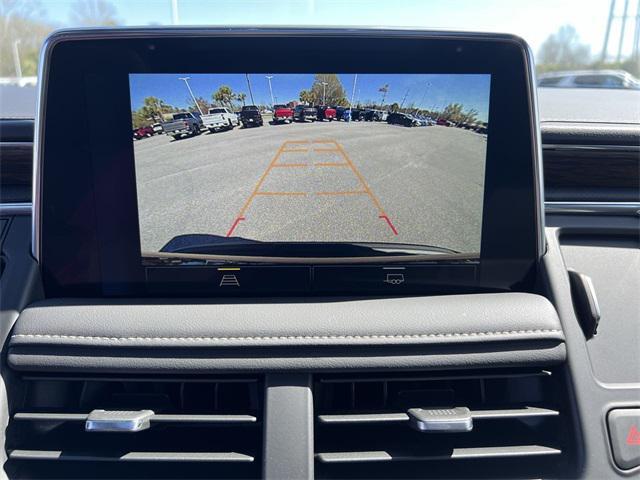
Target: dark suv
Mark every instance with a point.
(404, 119)
(303, 113)
(250, 116)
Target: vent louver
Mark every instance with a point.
(192, 428)
(366, 425)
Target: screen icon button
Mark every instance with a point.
(229, 281)
(394, 278)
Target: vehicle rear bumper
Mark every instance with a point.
(220, 124)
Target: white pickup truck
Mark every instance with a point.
(220, 118)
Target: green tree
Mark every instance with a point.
(241, 97)
(224, 96)
(470, 116)
(327, 88)
(154, 108)
(453, 112)
(23, 28)
(629, 65)
(94, 13)
(563, 50)
(306, 96)
(201, 102)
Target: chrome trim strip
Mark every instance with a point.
(15, 144)
(594, 208)
(11, 209)
(623, 148)
(195, 32)
(118, 421)
(38, 135)
(536, 145)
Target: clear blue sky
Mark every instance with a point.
(534, 20)
(425, 91)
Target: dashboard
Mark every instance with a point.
(238, 267)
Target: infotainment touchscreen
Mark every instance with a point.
(310, 165)
(286, 162)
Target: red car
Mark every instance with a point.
(443, 122)
(326, 113)
(282, 113)
(143, 132)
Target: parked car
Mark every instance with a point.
(220, 118)
(302, 113)
(326, 113)
(142, 132)
(397, 118)
(372, 115)
(482, 128)
(444, 123)
(250, 116)
(354, 114)
(183, 124)
(282, 114)
(157, 128)
(618, 79)
(340, 113)
(357, 114)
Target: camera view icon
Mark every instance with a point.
(229, 281)
(394, 278)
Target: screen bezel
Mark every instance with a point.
(91, 241)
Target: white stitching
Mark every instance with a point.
(289, 337)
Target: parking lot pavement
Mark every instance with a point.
(325, 181)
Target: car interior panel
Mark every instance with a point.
(205, 278)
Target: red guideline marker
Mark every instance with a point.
(393, 229)
(235, 224)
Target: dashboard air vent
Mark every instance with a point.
(149, 427)
(484, 424)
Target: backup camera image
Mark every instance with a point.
(309, 165)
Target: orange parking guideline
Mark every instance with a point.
(348, 192)
(261, 181)
(281, 193)
(361, 178)
(338, 149)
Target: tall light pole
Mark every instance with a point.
(353, 94)
(384, 89)
(605, 45)
(250, 91)
(324, 92)
(635, 53)
(175, 17)
(16, 59)
(186, 82)
(404, 98)
(423, 95)
(622, 29)
(269, 77)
